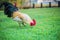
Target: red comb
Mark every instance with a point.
(33, 23)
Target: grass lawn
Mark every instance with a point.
(47, 27)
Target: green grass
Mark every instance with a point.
(47, 27)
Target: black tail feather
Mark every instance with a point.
(8, 8)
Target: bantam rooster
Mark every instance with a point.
(11, 11)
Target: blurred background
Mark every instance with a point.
(34, 3)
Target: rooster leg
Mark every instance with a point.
(23, 23)
(20, 24)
